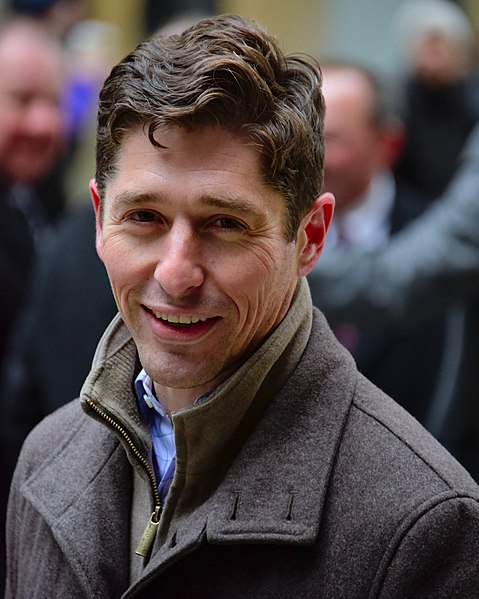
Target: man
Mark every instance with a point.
(431, 265)
(31, 134)
(229, 448)
(364, 136)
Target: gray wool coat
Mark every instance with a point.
(336, 493)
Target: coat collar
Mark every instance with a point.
(275, 490)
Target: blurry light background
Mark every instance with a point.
(359, 29)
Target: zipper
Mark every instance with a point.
(146, 542)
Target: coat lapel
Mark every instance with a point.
(275, 491)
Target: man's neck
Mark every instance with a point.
(173, 400)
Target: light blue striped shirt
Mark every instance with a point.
(161, 431)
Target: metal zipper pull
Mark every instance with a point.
(147, 538)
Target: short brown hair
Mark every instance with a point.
(224, 71)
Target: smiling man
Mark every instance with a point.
(227, 272)
(224, 444)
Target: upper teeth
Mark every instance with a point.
(182, 319)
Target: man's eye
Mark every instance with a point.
(143, 216)
(225, 222)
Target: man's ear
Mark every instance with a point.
(95, 197)
(312, 232)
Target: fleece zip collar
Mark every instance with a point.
(207, 436)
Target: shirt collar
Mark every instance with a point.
(144, 393)
(147, 399)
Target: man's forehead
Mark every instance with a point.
(204, 148)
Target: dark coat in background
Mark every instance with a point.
(401, 359)
(438, 120)
(50, 354)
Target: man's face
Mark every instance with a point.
(193, 242)
(30, 114)
(354, 147)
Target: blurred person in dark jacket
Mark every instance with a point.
(429, 267)
(68, 306)
(31, 138)
(364, 137)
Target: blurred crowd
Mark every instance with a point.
(398, 278)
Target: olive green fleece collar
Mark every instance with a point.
(209, 434)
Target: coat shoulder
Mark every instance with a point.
(404, 446)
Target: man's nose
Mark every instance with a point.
(179, 270)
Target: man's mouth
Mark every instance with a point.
(178, 319)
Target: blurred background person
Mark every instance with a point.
(430, 266)
(437, 43)
(90, 47)
(364, 137)
(69, 305)
(428, 269)
(31, 141)
(50, 73)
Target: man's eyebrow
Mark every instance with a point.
(232, 203)
(133, 198)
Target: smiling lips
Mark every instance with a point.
(179, 319)
(184, 322)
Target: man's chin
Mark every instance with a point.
(178, 375)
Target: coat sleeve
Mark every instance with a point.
(435, 556)
(428, 265)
